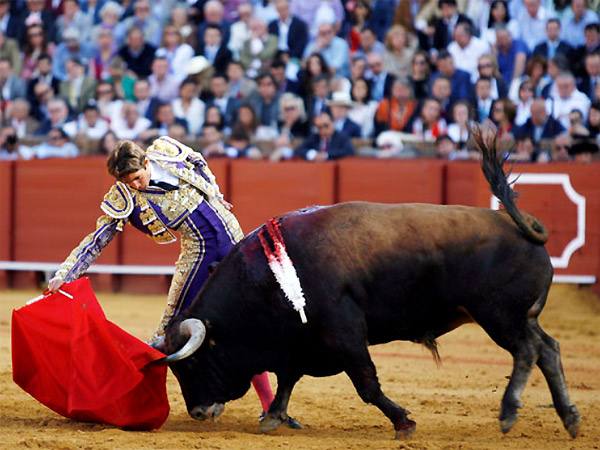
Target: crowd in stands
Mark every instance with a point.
(312, 79)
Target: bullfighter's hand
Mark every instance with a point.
(55, 283)
(228, 206)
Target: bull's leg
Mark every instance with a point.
(551, 366)
(277, 414)
(363, 374)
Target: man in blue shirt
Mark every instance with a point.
(333, 48)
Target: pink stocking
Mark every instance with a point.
(262, 386)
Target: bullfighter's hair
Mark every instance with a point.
(127, 157)
(493, 171)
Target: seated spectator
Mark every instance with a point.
(487, 66)
(568, 99)
(314, 66)
(258, 52)
(44, 76)
(340, 105)
(556, 66)
(9, 49)
(357, 19)
(17, 117)
(178, 132)
(110, 13)
(240, 146)
(58, 116)
(466, 49)
(119, 77)
(137, 53)
(104, 54)
(561, 146)
(592, 44)
(369, 43)
(130, 125)
(583, 151)
(326, 144)
(284, 84)
(163, 85)
(215, 49)
(291, 31)
(42, 94)
(462, 122)
(483, 99)
(57, 145)
(511, 54)
(282, 148)
(420, 74)
(219, 98)
(576, 124)
(553, 44)
(12, 87)
(35, 12)
(71, 47)
(9, 144)
(165, 117)
(88, 124)
(240, 86)
(526, 151)
(574, 26)
(214, 14)
(108, 104)
(445, 25)
(189, 107)
(77, 88)
(588, 83)
(389, 145)
(503, 116)
(381, 81)
(240, 30)
(108, 142)
(73, 17)
(537, 76)
(293, 121)
(333, 49)
(317, 101)
(446, 148)
(176, 51)
(460, 80)
(358, 68)
(213, 144)
(441, 90)
(10, 20)
(147, 104)
(141, 19)
(398, 52)
(524, 102)
(363, 109)
(184, 23)
(429, 124)
(593, 122)
(213, 115)
(529, 24)
(396, 112)
(499, 16)
(541, 125)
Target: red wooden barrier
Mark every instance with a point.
(261, 190)
(6, 206)
(566, 197)
(391, 181)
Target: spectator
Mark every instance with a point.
(498, 17)
(184, 24)
(137, 53)
(420, 74)
(358, 68)
(524, 102)
(110, 13)
(11, 87)
(36, 12)
(214, 14)
(9, 23)
(503, 115)
(462, 122)
(189, 107)
(429, 124)
(396, 111)
(103, 55)
(326, 144)
(315, 65)
(556, 66)
(215, 49)
(583, 151)
(258, 52)
(57, 116)
(213, 115)
(525, 151)
(282, 148)
(165, 117)
(9, 49)
(541, 125)
(529, 24)
(511, 54)
(177, 52)
(593, 122)
(459, 79)
(381, 18)
(291, 31)
(334, 49)
(389, 145)
(17, 117)
(415, 17)
(72, 17)
(576, 124)
(536, 74)
(88, 124)
(240, 146)
(212, 140)
(163, 85)
(487, 66)
(142, 19)
(247, 119)
(293, 121)
(446, 148)
(587, 84)
(120, 79)
(553, 43)
(35, 44)
(108, 104)
(266, 105)
(44, 75)
(129, 125)
(483, 99)
(316, 103)
(441, 90)
(146, 104)
(562, 145)
(398, 52)
(77, 88)
(592, 44)
(71, 47)
(574, 26)
(239, 85)
(57, 145)
(568, 99)
(381, 80)
(42, 94)
(240, 30)
(445, 26)
(227, 105)
(283, 83)
(357, 19)
(364, 109)
(340, 105)
(9, 143)
(369, 43)
(466, 49)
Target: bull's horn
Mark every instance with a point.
(195, 330)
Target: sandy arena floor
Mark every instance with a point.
(455, 406)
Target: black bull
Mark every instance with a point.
(371, 274)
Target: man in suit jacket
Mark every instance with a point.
(219, 97)
(214, 14)
(17, 117)
(9, 20)
(340, 104)
(11, 86)
(214, 49)
(44, 71)
(460, 81)
(291, 31)
(553, 45)
(326, 144)
(540, 125)
(444, 26)
(380, 80)
(587, 84)
(37, 11)
(146, 104)
(78, 88)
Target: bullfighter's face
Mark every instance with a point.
(140, 179)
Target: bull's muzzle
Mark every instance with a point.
(207, 412)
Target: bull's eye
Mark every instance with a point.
(212, 342)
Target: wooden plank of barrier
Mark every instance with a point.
(391, 181)
(261, 190)
(556, 194)
(6, 206)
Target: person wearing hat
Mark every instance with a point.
(78, 88)
(71, 47)
(340, 104)
(583, 150)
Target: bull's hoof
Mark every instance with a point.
(406, 430)
(508, 422)
(572, 421)
(268, 423)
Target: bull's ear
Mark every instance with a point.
(212, 267)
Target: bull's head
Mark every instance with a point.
(205, 383)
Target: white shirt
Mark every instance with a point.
(466, 58)
(284, 30)
(123, 131)
(531, 30)
(194, 115)
(81, 126)
(563, 106)
(157, 173)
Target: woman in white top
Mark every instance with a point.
(177, 52)
(364, 109)
(189, 107)
(458, 130)
(524, 102)
(398, 51)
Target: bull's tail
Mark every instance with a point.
(493, 170)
